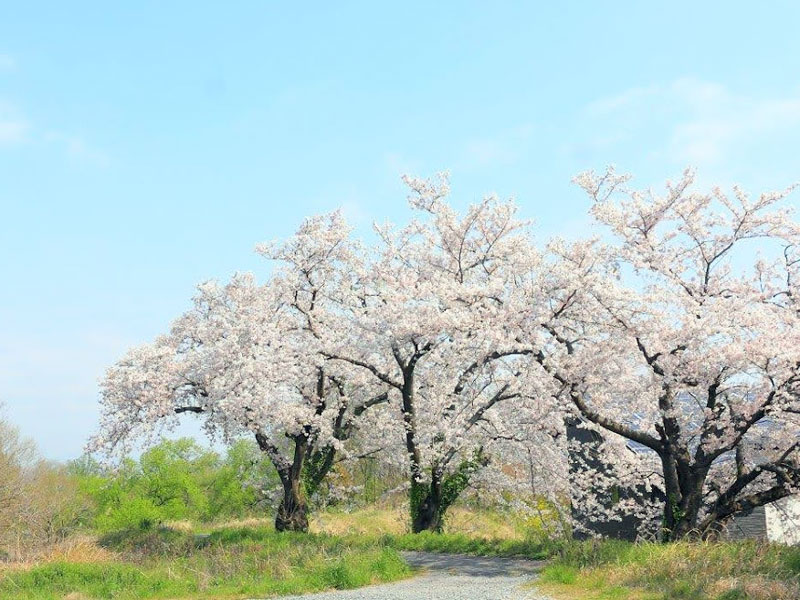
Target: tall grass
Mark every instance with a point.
(457, 543)
(228, 563)
(480, 532)
(681, 571)
(395, 520)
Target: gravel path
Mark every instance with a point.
(450, 577)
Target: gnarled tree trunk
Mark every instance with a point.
(293, 510)
(684, 482)
(292, 514)
(429, 502)
(427, 511)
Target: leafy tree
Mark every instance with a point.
(242, 484)
(169, 481)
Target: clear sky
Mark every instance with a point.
(148, 147)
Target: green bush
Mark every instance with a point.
(133, 513)
(175, 480)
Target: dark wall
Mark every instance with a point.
(585, 454)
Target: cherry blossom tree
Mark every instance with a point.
(474, 347)
(436, 319)
(693, 353)
(247, 358)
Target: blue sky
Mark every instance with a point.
(147, 147)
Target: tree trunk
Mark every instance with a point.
(429, 503)
(686, 526)
(684, 489)
(425, 500)
(427, 511)
(679, 526)
(293, 510)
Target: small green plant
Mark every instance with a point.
(558, 573)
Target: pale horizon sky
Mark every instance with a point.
(145, 148)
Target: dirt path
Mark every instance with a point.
(450, 577)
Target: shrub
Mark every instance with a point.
(175, 480)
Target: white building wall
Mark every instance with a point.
(783, 521)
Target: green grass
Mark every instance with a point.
(482, 532)
(230, 563)
(456, 543)
(679, 571)
(56, 580)
(563, 574)
(240, 561)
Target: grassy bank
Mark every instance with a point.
(479, 532)
(353, 549)
(394, 520)
(228, 563)
(457, 543)
(248, 558)
(482, 533)
(681, 571)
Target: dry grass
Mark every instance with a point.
(252, 522)
(394, 520)
(82, 549)
(366, 521)
(702, 571)
(385, 520)
(485, 524)
(754, 587)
